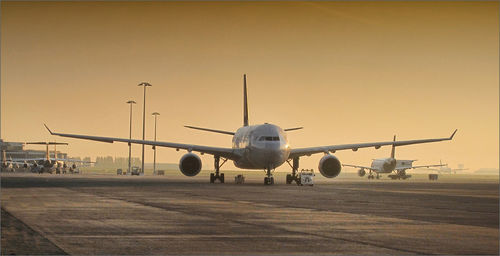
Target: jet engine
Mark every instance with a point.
(73, 166)
(25, 165)
(361, 172)
(190, 164)
(329, 166)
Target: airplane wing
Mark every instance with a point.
(228, 153)
(419, 166)
(358, 166)
(298, 152)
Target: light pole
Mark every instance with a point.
(144, 84)
(129, 171)
(156, 114)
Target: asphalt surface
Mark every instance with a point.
(78, 214)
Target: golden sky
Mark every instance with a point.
(347, 71)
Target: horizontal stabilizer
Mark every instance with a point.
(209, 130)
(46, 143)
(293, 129)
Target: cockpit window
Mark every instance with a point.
(269, 138)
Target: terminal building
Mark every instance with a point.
(16, 151)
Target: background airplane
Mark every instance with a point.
(262, 147)
(445, 169)
(389, 165)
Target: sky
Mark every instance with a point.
(349, 72)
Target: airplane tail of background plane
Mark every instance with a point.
(245, 102)
(393, 151)
(4, 157)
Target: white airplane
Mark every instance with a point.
(261, 147)
(47, 164)
(389, 165)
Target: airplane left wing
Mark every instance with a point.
(359, 166)
(298, 152)
(228, 153)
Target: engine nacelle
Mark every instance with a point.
(73, 166)
(25, 165)
(329, 166)
(361, 172)
(190, 164)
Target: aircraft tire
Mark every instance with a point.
(221, 178)
(212, 178)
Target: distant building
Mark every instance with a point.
(15, 150)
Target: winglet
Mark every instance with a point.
(453, 134)
(48, 129)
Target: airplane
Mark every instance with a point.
(389, 165)
(258, 147)
(47, 164)
(448, 169)
(6, 164)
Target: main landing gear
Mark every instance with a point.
(217, 176)
(294, 176)
(371, 177)
(269, 180)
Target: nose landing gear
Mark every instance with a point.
(269, 180)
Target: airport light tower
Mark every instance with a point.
(144, 84)
(129, 171)
(156, 114)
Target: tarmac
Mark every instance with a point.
(98, 214)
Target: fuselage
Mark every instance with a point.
(262, 146)
(384, 165)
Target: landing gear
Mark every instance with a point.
(269, 180)
(294, 176)
(217, 176)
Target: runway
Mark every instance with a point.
(85, 214)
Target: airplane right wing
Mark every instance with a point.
(228, 153)
(358, 166)
(298, 152)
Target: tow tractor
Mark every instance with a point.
(400, 174)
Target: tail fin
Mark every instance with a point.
(393, 148)
(245, 103)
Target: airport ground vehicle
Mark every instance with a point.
(306, 177)
(433, 176)
(239, 179)
(135, 171)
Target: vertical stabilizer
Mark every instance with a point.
(245, 103)
(393, 148)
